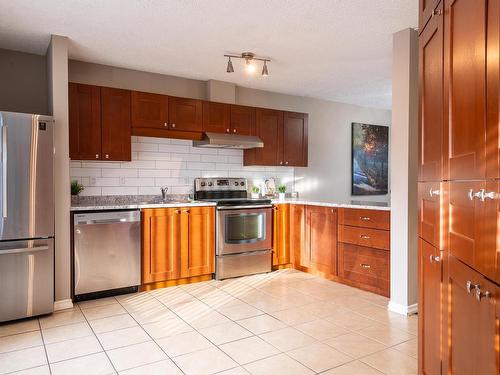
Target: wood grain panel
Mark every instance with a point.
(269, 128)
(281, 234)
(368, 237)
(185, 114)
(295, 142)
(429, 213)
(355, 217)
(298, 236)
(149, 110)
(321, 239)
(425, 9)
(216, 117)
(115, 124)
(243, 119)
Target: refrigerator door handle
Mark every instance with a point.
(4, 172)
(24, 250)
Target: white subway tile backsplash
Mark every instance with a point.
(169, 162)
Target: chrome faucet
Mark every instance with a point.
(164, 191)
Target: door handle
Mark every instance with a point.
(473, 195)
(434, 258)
(433, 192)
(364, 265)
(470, 286)
(479, 294)
(483, 195)
(364, 237)
(21, 250)
(365, 218)
(4, 172)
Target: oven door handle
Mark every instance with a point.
(224, 208)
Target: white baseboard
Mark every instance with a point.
(63, 304)
(402, 309)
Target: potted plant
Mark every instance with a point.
(255, 192)
(281, 192)
(76, 187)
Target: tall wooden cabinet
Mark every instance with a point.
(458, 190)
(281, 235)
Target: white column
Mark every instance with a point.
(57, 75)
(404, 166)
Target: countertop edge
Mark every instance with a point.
(330, 204)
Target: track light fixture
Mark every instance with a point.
(250, 67)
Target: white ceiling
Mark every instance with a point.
(331, 49)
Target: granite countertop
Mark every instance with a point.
(152, 201)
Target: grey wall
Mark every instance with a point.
(23, 82)
(328, 176)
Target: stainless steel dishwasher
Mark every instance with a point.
(107, 253)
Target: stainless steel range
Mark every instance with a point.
(243, 227)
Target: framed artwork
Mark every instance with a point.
(370, 159)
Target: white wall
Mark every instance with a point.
(169, 162)
(404, 164)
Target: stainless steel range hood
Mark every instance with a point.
(234, 141)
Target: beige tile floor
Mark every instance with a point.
(286, 322)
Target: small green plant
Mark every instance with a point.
(76, 187)
(282, 189)
(255, 189)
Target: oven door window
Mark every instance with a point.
(245, 228)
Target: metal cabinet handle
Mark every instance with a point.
(97, 156)
(473, 195)
(434, 258)
(364, 265)
(479, 294)
(436, 12)
(234, 130)
(433, 192)
(470, 286)
(186, 211)
(365, 218)
(107, 156)
(486, 195)
(286, 162)
(227, 130)
(364, 237)
(165, 124)
(173, 125)
(281, 163)
(4, 172)
(177, 211)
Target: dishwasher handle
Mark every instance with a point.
(113, 217)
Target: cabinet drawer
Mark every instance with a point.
(365, 218)
(377, 238)
(365, 265)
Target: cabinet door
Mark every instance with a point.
(269, 128)
(115, 120)
(321, 238)
(431, 100)
(198, 241)
(281, 234)
(161, 233)
(300, 257)
(295, 139)
(84, 122)
(242, 119)
(465, 88)
(149, 110)
(429, 213)
(185, 114)
(216, 117)
(429, 278)
(472, 331)
(426, 11)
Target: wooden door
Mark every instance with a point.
(321, 238)
(431, 99)
(84, 122)
(465, 88)
(429, 213)
(426, 9)
(295, 139)
(299, 256)
(149, 110)
(242, 119)
(493, 91)
(185, 114)
(429, 317)
(161, 244)
(281, 234)
(115, 120)
(269, 128)
(198, 241)
(216, 117)
(485, 256)
(472, 332)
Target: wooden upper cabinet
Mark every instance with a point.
(430, 299)
(471, 321)
(295, 142)
(216, 117)
(427, 9)
(185, 114)
(84, 122)
(281, 234)
(473, 218)
(465, 88)
(269, 128)
(431, 100)
(321, 239)
(242, 119)
(198, 241)
(161, 246)
(149, 110)
(115, 124)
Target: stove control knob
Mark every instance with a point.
(242, 183)
(236, 183)
(210, 184)
(203, 184)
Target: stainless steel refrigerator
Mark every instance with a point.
(27, 221)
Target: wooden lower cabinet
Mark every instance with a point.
(177, 243)
(430, 272)
(281, 235)
(472, 333)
